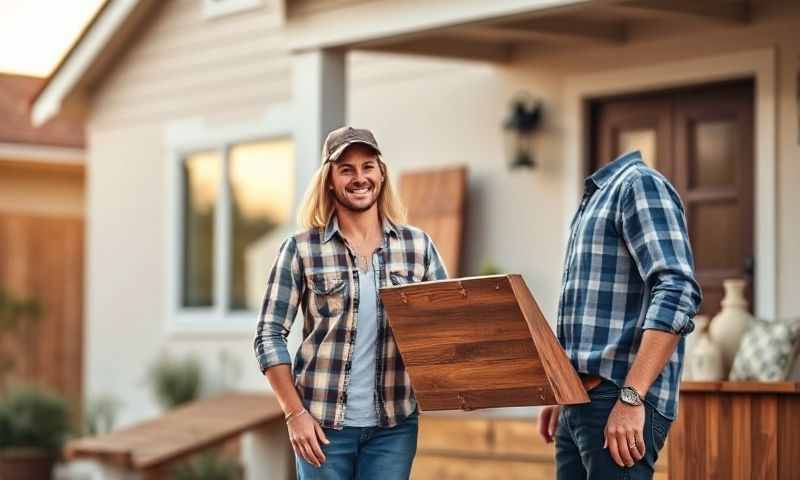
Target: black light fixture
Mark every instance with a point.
(524, 120)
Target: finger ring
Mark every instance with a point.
(632, 445)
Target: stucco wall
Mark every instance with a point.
(424, 112)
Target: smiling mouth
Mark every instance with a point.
(359, 191)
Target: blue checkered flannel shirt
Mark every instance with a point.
(628, 268)
(315, 270)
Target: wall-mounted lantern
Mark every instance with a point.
(519, 127)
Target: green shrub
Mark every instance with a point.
(33, 417)
(208, 465)
(176, 381)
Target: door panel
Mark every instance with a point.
(702, 140)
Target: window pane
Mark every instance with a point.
(713, 163)
(201, 176)
(262, 181)
(640, 139)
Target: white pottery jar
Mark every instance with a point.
(705, 360)
(730, 324)
(700, 325)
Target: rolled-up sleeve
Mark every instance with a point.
(655, 233)
(279, 308)
(434, 265)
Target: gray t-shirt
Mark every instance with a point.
(360, 410)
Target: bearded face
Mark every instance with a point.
(357, 178)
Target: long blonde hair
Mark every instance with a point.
(318, 202)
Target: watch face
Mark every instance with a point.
(629, 396)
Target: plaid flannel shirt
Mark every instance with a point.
(316, 270)
(628, 268)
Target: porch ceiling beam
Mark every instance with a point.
(361, 22)
(578, 32)
(449, 48)
(731, 12)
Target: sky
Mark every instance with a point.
(35, 34)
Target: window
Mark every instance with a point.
(233, 198)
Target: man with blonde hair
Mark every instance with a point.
(348, 402)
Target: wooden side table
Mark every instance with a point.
(736, 430)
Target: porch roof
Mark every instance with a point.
(466, 29)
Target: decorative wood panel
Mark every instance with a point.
(435, 201)
(42, 258)
(744, 430)
(456, 335)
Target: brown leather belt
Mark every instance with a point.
(590, 381)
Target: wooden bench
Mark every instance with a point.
(148, 450)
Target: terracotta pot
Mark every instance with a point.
(26, 464)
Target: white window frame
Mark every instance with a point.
(212, 8)
(192, 136)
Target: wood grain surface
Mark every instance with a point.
(477, 343)
(742, 430)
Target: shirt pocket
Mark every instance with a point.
(403, 277)
(328, 293)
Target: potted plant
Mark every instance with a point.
(208, 465)
(33, 426)
(176, 381)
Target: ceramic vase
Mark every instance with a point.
(705, 361)
(700, 325)
(730, 324)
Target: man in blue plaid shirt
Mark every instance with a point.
(628, 299)
(349, 406)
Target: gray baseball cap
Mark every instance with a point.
(341, 138)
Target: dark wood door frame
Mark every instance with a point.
(674, 116)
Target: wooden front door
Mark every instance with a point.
(702, 140)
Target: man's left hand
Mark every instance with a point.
(623, 433)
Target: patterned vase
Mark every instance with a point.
(728, 326)
(705, 360)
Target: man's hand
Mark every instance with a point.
(306, 434)
(623, 434)
(548, 422)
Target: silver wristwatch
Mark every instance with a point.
(628, 395)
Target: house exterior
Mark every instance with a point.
(179, 94)
(41, 240)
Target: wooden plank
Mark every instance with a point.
(764, 443)
(742, 387)
(741, 418)
(436, 201)
(42, 257)
(431, 467)
(788, 437)
(456, 434)
(566, 384)
(179, 432)
(455, 337)
(433, 353)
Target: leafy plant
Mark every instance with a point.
(176, 381)
(101, 414)
(209, 465)
(34, 418)
(13, 310)
(489, 268)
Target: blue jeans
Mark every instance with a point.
(366, 453)
(579, 440)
